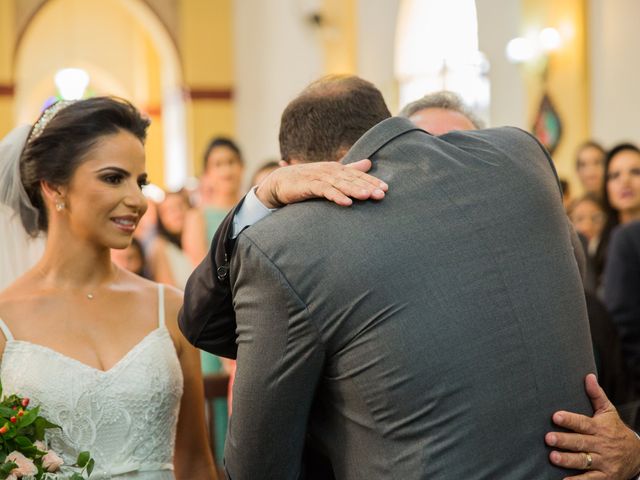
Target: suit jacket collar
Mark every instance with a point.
(377, 137)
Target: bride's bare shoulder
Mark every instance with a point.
(18, 294)
(149, 289)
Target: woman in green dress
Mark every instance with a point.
(220, 192)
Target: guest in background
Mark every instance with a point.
(622, 290)
(131, 258)
(169, 264)
(621, 195)
(220, 191)
(590, 167)
(263, 171)
(588, 218)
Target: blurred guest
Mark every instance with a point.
(264, 171)
(219, 193)
(588, 218)
(146, 230)
(169, 263)
(621, 195)
(131, 258)
(590, 167)
(622, 290)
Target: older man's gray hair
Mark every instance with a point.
(444, 100)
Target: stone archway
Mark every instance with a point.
(128, 52)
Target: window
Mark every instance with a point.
(437, 49)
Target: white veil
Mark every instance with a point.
(18, 250)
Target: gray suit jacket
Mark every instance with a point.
(430, 336)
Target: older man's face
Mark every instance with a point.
(439, 121)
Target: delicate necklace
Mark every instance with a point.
(91, 296)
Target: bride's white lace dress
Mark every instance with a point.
(125, 417)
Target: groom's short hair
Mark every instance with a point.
(327, 118)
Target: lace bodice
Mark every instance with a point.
(125, 417)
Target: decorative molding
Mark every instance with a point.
(7, 89)
(225, 94)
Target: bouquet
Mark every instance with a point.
(23, 451)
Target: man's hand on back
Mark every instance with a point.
(604, 439)
(334, 181)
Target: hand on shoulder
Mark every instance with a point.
(334, 181)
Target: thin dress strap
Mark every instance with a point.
(5, 330)
(160, 305)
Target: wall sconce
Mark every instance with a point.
(533, 51)
(534, 47)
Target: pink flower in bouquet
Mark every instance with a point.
(51, 462)
(11, 477)
(25, 466)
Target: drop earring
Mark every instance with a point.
(60, 205)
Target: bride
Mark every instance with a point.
(96, 346)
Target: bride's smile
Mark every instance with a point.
(104, 200)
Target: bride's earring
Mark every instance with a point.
(60, 205)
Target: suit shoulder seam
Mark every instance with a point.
(288, 284)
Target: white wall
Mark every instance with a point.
(498, 22)
(277, 53)
(615, 68)
(376, 23)
(71, 33)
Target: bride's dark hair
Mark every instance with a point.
(54, 155)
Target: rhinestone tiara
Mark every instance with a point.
(46, 117)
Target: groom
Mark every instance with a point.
(425, 339)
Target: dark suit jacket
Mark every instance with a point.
(207, 318)
(429, 336)
(622, 291)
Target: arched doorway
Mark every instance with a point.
(127, 51)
